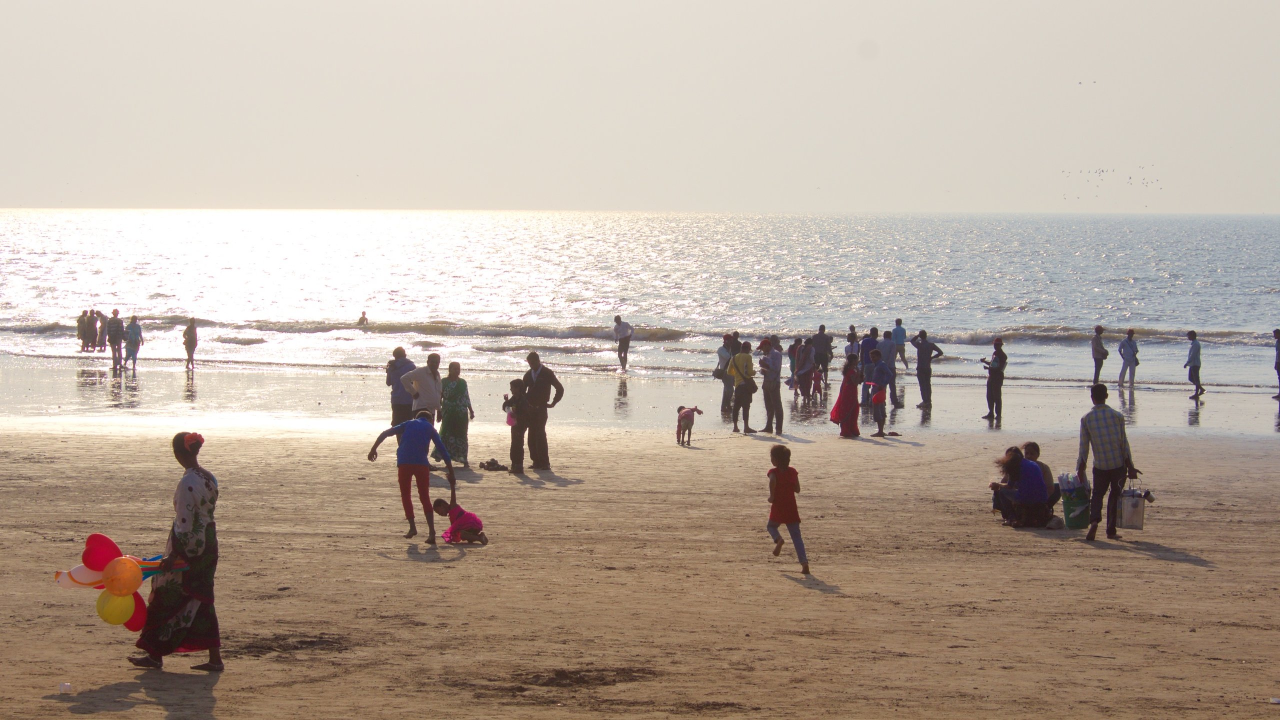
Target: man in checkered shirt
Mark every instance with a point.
(1103, 430)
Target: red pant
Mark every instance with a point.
(406, 474)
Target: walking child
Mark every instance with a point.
(416, 436)
(463, 526)
(784, 484)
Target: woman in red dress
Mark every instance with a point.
(845, 412)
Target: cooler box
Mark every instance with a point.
(1075, 508)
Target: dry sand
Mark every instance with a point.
(637, 581)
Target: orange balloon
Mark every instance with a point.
(122, 577)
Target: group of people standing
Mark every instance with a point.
(95, 330)
(446, 400)
(1128, 350)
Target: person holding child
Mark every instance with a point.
(784, 485)
(416, 436)
(519, 415)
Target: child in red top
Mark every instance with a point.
(784, 483)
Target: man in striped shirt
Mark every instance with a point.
(1102, 429)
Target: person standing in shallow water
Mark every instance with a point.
(1276, 334)
(1193, 365)
(189, 341)
(1128, 350)
(771, 384)
(926, 353)
(115, 336)
(132, 341)
(900, 342)
(102, 331)
(1099, 353)
(995, 380)
(622, 332)
(180, 610)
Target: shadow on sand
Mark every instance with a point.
(181, 695)
(813, 583)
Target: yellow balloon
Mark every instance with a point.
(122, 577)
(114, 609)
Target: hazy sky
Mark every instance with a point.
(601, 105)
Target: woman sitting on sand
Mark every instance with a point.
(180, 613)
(455, 415)
(1020, 496)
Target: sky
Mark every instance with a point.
(742, 106)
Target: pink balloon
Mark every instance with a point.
(98, 551)
(139, 618)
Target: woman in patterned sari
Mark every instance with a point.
(455, 415)
(180, 613)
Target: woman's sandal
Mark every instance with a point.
(209, 667)
(146, 661)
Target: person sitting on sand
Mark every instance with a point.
(1031, 451)
(463, 526)
(784, 485)
(684, 424)
(416, 436)
(1019, 496)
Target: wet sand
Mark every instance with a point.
(636, 580)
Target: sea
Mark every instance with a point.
(273, 289)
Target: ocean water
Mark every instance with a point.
(483, 288)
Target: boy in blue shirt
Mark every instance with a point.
(416, 436)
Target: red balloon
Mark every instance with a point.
(139, 618)
(98, 551)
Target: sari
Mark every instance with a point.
(180, 613)
(845, 412)
(455, 408)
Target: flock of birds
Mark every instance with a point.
(1097, 177)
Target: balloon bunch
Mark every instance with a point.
(118, 576)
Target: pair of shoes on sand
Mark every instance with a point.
(492, 464)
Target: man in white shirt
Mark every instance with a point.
(622, 332)
(424, 385)
(1129, 354)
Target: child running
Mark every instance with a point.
(416, 436)
(784, 483)
(463, 526)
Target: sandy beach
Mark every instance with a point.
(636, 580)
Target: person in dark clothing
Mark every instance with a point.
(81, 330)
(868, 344)
(995, 379)
(538, 383)
(822, 344)
(1021, 496)
(401, 400)
(91, 331)
(115, 336)
(926, 353)
(102, 331)
(735, 345)
(521, 415)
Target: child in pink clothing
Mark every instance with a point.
(463, 526)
